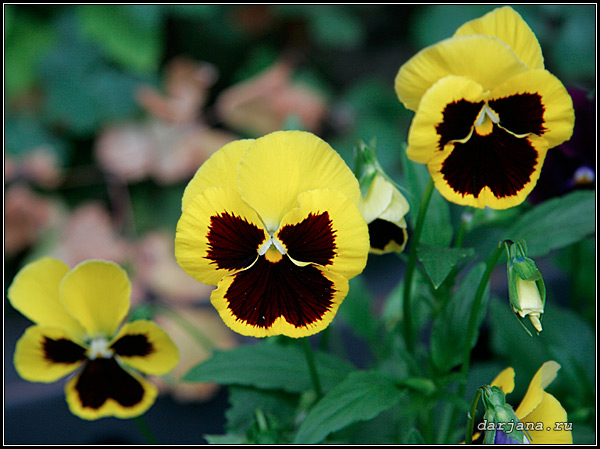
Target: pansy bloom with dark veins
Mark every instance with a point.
(486, 111)
(274, 224)
(77, 314)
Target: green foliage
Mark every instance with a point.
(361, 396)
(239, 367)
(72, 72)
(448, 337)
(556, 223)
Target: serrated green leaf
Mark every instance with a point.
(556, 223)
(439, 261)
(269, 366)
(449, 328)
(361, 396)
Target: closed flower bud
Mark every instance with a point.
(382, 205)
(526, 289)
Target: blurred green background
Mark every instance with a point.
(109, 110)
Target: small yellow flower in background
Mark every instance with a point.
(487, 111)
(77, 314)
(382, 204)
(542, 415)
(274, 224)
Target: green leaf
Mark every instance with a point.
(361, 396)
(449, 328)
(439, 261)
(26, 42)
(556, 223)
(246, 400)
(269, 366)
(357, 311)
(120, 31)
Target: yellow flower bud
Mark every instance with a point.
(530, 302)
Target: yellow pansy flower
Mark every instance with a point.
(486, 111)
(77, 313)
(274, 224)
(540, 413)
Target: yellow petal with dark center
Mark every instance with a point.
(279, 298)
(387, 237)
(447, 113)
(104, 388)
(281, 165)
(486, 60)
(146, 347)
(553, 416)
(97, 294)
(542, 378)
(34, 293)
(221, 169)
(45, 354)
(535, 102)
(507, 25)
(498, 170)
(328, 230)
(505, 380)
(218, 234)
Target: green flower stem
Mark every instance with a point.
(312, 368)
(145, 429)
(491, 264)
(471, 418)
(411, 264)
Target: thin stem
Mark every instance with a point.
(145, 429)
(491, 264)
(411, 264)
(471, 418)
(312, 368)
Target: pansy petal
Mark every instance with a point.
(217, 234)
(535, 102)
(497, 170)
(281, 165)
(507, 25)
(45, 354)
(104, 388)
(279, 298)
(146, 347)
(552, 415)
(221, 169)
(505, 380)
(97, 294)
(447, 113)
(34, 293)
(327, 230)
(486, 60)
(377, 199)
(387, 236)
(542, 378)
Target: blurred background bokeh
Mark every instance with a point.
(110, 109)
